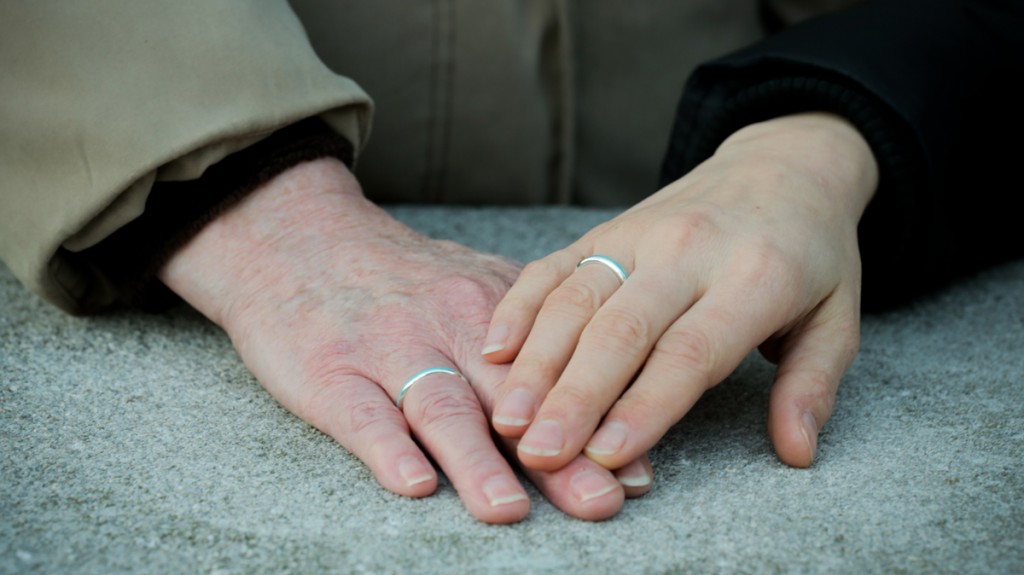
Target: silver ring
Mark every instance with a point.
(416, 378)
(608, 263)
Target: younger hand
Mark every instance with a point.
(756, 247)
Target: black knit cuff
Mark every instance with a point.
(129, 259)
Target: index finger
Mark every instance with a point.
(612, 348)
(513, 317)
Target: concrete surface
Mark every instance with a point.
(139, 443)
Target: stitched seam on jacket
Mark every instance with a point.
(441, 85)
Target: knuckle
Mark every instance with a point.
(529, 369)
(333, 363)
(692, 227)
(575, 397)
(331, 360)
(689, 351)
(364, 414)
(325, 381)
(645, 408)
(467, 293)
(767, 266)
(813, 386)
(542, 269)
(514, 307)
(438, 407)
(575, 299)
(459, 303)
(765, 249)
(476, 455)
(619, 331)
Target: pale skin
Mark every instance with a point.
(333, 305)
(754, 249)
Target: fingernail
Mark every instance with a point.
(501, 490)
(495, 340)
(544, 438)
(810, 431)
(634, 475)
(609, 439)
(516, 410)
(587, 485)
(414, 471)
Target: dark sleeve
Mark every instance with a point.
(933, 87)
(128, 260)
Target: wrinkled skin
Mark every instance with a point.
(755, 248)
(333, 305)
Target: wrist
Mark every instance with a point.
(823, 146)
(251, 245)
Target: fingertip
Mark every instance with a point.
(495, 347)
(807, 381)
(540, 458)
(606, 446)
(410, 476)
(500, 354)
(809, 429)
(800, 404)
(498, 347)
(539, 462)
(794, 435)
(581, 489)
(543, 446)
(504, 515)
(636, 477)
(373, 429)
(514, 316)
(513, 413)
(513, 430)
(497, 353)
(597, 495)
(506, 501)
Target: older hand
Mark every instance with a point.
(755, 247)
(333, 305)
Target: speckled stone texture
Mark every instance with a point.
(139, 443)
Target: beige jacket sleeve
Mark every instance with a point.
(100, 99)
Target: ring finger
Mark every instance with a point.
(445, 416)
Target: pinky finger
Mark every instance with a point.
(812, 361)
